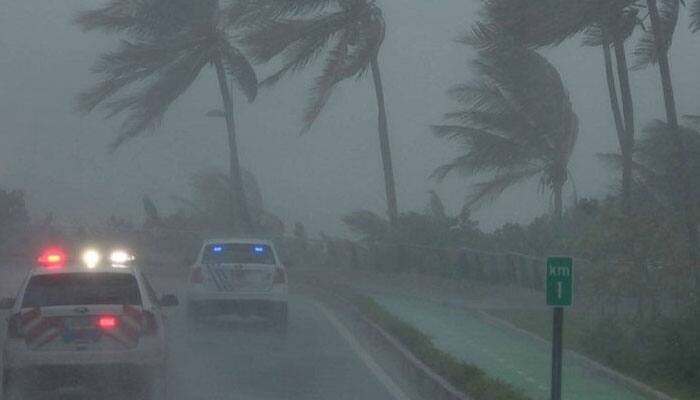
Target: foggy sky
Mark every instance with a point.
(61, 160)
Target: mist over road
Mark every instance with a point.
(230, 358)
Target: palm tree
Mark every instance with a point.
(166, 45)
(517, 123)
(657, 178)
(654, 48)
(298, 32)
(606, 23)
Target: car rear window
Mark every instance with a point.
(238, 253)
(81, 289)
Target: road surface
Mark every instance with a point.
(234, 359)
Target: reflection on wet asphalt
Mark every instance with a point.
(228, 358)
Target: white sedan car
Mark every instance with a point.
(94, 324)
(238, 276)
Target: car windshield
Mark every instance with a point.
(81, 289)
(238, 253)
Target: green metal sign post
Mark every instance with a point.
(560, 294)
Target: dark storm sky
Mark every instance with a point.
(61, 159)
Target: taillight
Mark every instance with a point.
(150, 326)
(197, 276)
(13, 327)
(107, 322)
(280, 277)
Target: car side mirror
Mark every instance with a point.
(169, 300)
(7, 303)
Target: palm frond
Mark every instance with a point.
(481, 95)
(485, 151)
(539, 23)
(331, 75)
(132, 62)
(646, 52)
(286, 8)
(238, 67)
(147, 18)
(273, 37)
(436, 208)
(367, 36)
(145, 108)
(461, 164)
(695, 16)
(532, 85)
(617, 23)
(518, 121)
(594, 36)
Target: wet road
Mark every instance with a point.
(245, 359)
(228, 359)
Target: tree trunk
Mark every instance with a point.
(385, 148)
(672, 121)
(627, 144)
(558, 202)
(612, 92)
(240, 216)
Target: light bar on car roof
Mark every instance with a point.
(52, 257)
(120, 257)
(91, 258)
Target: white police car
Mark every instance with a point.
(96, 324)
(238, 276)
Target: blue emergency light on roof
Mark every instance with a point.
(218, 249)
(259, 249)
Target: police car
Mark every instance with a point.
(238, 276)
(95, 324)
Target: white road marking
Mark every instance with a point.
(367, 359)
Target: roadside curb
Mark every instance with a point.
(428, 384)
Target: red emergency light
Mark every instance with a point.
(53, 257)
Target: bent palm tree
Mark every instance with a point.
(517, 124)
(606, 23)
(166, 45)
(354, 32)
(654, 47)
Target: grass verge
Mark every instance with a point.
(465, 377)
(579, 336)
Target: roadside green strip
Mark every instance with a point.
(513, 357)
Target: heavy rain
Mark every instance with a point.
(350, 199)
